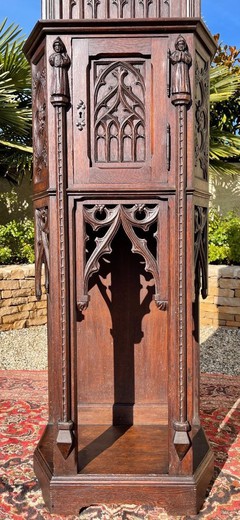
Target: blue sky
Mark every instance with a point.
(216, 13)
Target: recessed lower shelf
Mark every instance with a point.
(123, 449)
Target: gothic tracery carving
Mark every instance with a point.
(119, 111)
(112, 218)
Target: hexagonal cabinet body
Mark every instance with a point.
(120, 131)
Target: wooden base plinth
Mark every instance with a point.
(122, 465)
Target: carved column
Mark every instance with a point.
(60, 62)
(181, 60)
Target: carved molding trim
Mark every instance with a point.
(112, 218)
(201, 250)
(102, 9)
(202, 118)
(168, 147)
(41, 249)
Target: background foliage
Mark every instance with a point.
(15, 105)
(224, 238)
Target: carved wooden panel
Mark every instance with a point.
(116, 122)
(201, 117)
(119, 111)
(40, 142)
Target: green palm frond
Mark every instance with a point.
(9, 35)
(224, 145)
(224, 111)
(15, 104)
(223, 84)
(218, 167)
(17, 146)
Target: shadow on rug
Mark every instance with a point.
(24, 414)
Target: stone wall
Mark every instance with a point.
(222, 306)
(19, 307)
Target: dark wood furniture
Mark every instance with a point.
(120, 119)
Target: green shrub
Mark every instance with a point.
(224, 238)
(17, 242)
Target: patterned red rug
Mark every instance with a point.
(24, 414)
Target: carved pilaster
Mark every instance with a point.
(60, 62)
(181, 98)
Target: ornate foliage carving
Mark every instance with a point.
(119, 111)
(102, 216)
(180, 81)
(41, 249)
(201, 116)
(60, 62)
(200, 250)
(81, 115)
(39, 124)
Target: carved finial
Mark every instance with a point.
(180, 60)
(161, 304)
(82, 305)
(65, 438)
(181, 440)
(60, 62)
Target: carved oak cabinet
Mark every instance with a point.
(120, 123)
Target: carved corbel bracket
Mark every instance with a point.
(128, 217)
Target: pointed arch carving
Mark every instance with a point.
(101, 216)
(119, 111)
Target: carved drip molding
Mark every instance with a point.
(112, 218)
(200, 251)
